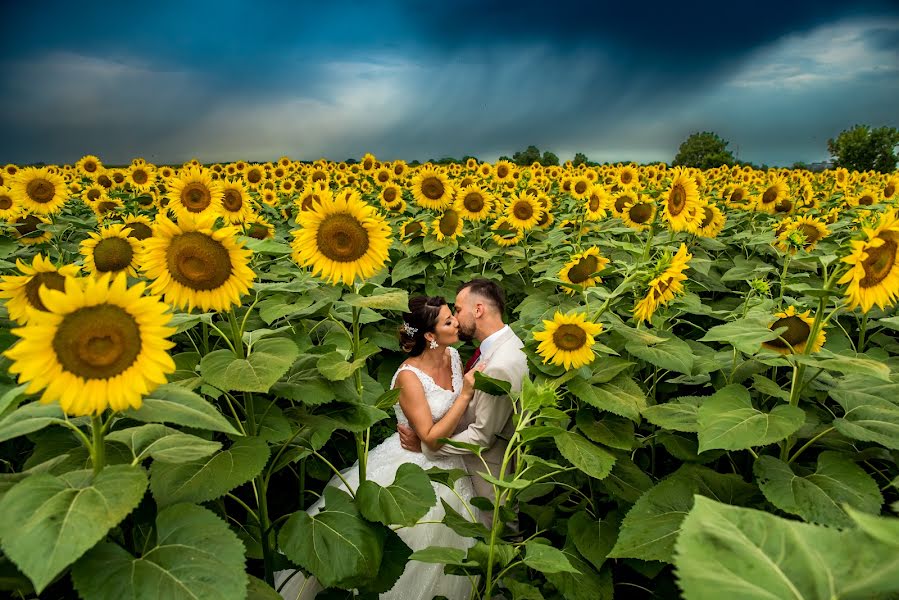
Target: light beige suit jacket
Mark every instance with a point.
(487, 421)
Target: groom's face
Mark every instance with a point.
(465, 315)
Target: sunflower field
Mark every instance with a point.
(191, 352)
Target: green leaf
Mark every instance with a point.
(606, 369)
(679, 414)
(269, 360)
(594, 538)
(393, 563)
(585, 455)
(173, 404)
(49, 522)
(546, 559)
(587, 584)
(260, 590)
(461, 525)
(650, 528)
(210, 478)
(350, 417)
(271, 424)
(443, 555)
(163, 443)
(11, 396)
(336, 545)
(620, 396)
(871, 410)
(730, 552)
(627, 481)
(509, 484)
(521, 590)
(29, 418)
(403, 502)
(381, 299)
(673, 354)
(407, 267)
(884, 529)
(610, 430)
(494, 387)
(304, 384)
(335, 368)
(195, 555)
(818, 497)
(746, 334)
(850, 365)
(727, 420)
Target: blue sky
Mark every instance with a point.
(626, 81)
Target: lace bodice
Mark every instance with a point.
(439, 399)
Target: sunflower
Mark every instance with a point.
(111, 251)
(368, 162)
(567, 340)
(580, 187)
(39, 190)
(621, 199)
(448, 225)
(254, 175)
(106, 206)
(194, 192)
(342, 240)
(89, 166)
(711, 222)
(194, 265)
(432, 189)
(582, 267)
(736, 196)
(411, 229)
(503, 170)
(8, 206)
(523, 211)
(873, 277)
(312, 196)
(774, 192)
(627, 176)
(27, 232)
(21, 291)
(664, 286)
(505, 233)
(680, 201)
(804, 232)
(383, 176)
(795, 338)
(138, 227)
(141, 177)
(100, 345)
(891, 188)
(866, 197)
(258, 228)
(473, 202)
(390, 195)
(596, 202)
(639, 214)
(236, 203)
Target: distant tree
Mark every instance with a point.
(800, 166)
(505, 158)
(527, 156)
(703, 150)
(863, 149)
(549, 159)
(579, 159)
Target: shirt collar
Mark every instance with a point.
(491, 339)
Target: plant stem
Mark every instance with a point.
(861, 333)
(361, 437)
(236, 335)
(809, 443)
(783, 279)
(264, 529)
(98, 453)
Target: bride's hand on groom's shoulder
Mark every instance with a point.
(468, 380)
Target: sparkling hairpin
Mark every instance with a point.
(410, 331)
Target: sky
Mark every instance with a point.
(623, 81)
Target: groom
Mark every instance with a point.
(487, 421)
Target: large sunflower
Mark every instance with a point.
(567, 340)
(873, 277)
(432, 189)
(21, 291)
(627, 176)
(681, 201)
(772, 194)
(141, 177)
(580, 187)
(796, 337)
(89, 166)
(106, 206)
(138, 227)
(111, 251)
(504, 170)
(343, 240)
(523, 211)
(391, 195)
(27, 232)
(194, 192)
(664, 286)
(473, 202)
(101, 345)
(638, 215)
(582, 268)
(194, 265)
(448, 225)
(596, 201)
(39, 190)
(711, 222)
(8, 206)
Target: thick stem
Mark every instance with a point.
(783, 279)
(361, 438)
(98, 450)
(236, 335)
(863, 328)
(265, 530)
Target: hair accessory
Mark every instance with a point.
(434, 345)
(409, 330)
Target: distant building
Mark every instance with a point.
(820, 166)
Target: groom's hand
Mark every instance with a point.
(409, 439)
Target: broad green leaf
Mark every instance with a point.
(850, 365)
(740, 553)
(403, 502)
(673, 354)
(678, 414)
(336, 545)
(335, 368)
(510, 484)
(462, 525)
(174, 404)
(585, 455)
(49, 522)
(820, 496)
(594, 538)
(627, 481)
(29, 418)
(620, 396)
(268, 361)
(10, 396)
(884, 529)
(521, 590)
(546, 559)
(610, 430)
(607, 368)
(650, 528)
(407, 267)
(350, 417)
(393, 563)
(278, 307)
(209, 478)
(196, 555)
(871, 410)
(381, 299)
(443, 555)
(303, 383)
(163, 443)
(260, 590)
(490, 385)
(727, 420)
(271, 424)
(746, 334)
(586, 584)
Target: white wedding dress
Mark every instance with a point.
(419, 581)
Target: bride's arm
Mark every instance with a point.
(417, 410)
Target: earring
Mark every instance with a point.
(433, 344)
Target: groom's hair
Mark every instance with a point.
(488, 290)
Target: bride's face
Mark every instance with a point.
(446, 331)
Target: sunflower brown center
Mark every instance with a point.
(198, 261)
(104, 181)
(502, 171)
(139, 231)
(5, 202)
(737, 195)
(569, 337)
(580, 187)
(785, 205)
(640, 213)
(594, 204)
(523, 211)
(879, 263)
(621, 201)
(677, 200)
(432, 188)
(448, 222)
(254, 175)
(812, 234)
(708, 215)
(232, 200)
(626, 177)
(319, 176)
(769, 196)
(342, 238)
(889, 190)
(383, 176)
(106, 206)
(196, 197)
(51, 279)
(797, 332)
(89, 166)
(255, 230)
(584, 268)
(473, 202)
(40, 190)
(28, 225)
(389, 195)
(118, 177)
(866, 200)
(112, 254)
(140, 176)
(412, 229)
(97, 342)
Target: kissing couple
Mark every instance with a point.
(438, 400)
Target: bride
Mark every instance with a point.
(434, 394)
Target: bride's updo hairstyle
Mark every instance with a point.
(422, 317)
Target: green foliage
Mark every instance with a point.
(703, 150)
(863, 148)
